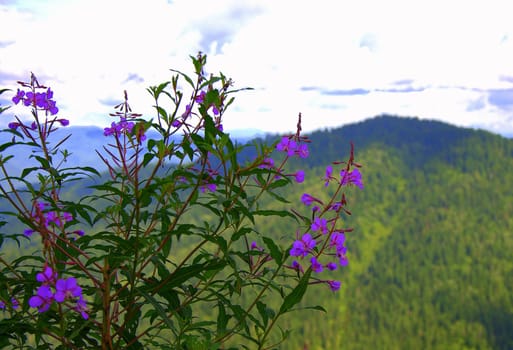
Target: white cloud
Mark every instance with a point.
(455, 50)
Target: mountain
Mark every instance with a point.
(430, 263)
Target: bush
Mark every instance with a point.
(131, 264)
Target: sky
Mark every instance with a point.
(336, 62)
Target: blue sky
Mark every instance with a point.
(335, 61)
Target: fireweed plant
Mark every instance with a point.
(129, 265)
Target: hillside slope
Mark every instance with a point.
(431, 264)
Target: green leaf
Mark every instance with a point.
(296, 295)
(184, 76)
(222, 320)
(5, 159)
(282, 213)
(183, 274)
(210, 130)
(159, 309)
(279, 183)
(278, 197)
(6, 145)
(241, 232)
(275, 252)
(157, 90)
(264, 312)
(45, 163)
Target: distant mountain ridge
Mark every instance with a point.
(85, 140)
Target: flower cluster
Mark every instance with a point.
(41, 100)
(353, 177)
(47, 219)
(201, 100)
(142, 212)
(347, 177)
(14, 304)
(118, 128)
(291, 147)
(325, 229)
(304, 247)
(124, 126)
(59, 290)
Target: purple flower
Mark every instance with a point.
(331, 266)
(49, 93)
(187, 112)
(67, 288)
(297, 266)
(19, 96)
(110, 131)
(334, 285)
(29, 98)
(122, 127)
(41, 100)
(327, 176)
(14, 304)
(43, 298)
(53, 217)
(64, 122)
(337, 240)
(210, 187)
(302, 150)
(343, 260)
(13, 125)
(287, 145)
(28, 232)
(300, 176)
(81, 307)
(352, 177)
(267, 163)
(125, 126)
(303, 247)
(336, 206)
(48, 276)
(316, 266)
(201, 97)
(320, 224)
(308, 199)
(80, 233)
(67, 217)
(215, 110)
(176, 123)
(51, 107)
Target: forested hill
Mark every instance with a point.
(431, 263)
(431, 254)
(415, 140)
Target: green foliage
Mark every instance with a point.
(160, 252)
(430, 264)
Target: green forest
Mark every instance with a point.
(431, 253)
(431, 262)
